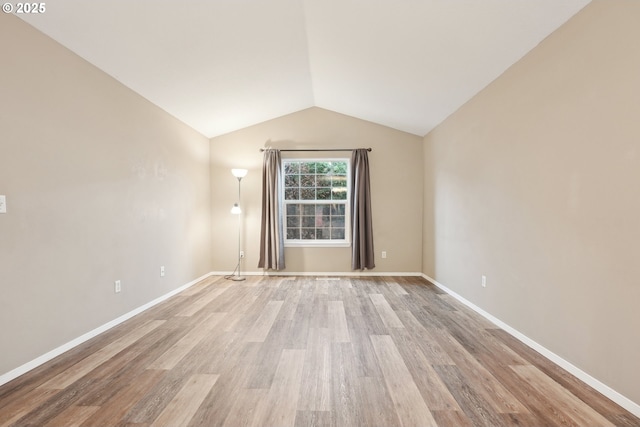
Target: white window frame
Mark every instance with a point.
(346, 242)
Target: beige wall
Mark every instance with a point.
(535, 183)
(100, 184)
(396, 185)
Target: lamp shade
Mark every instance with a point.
(236, 209)
(239, 173)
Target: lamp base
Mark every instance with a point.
(237, 278)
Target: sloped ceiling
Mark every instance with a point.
(222, 65)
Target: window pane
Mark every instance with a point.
(293, 221)
(323, 233)
(293, 209)
(291, 194)
(291, 180)
(318, 221)
(293, 167)
(340, 168)
(323, 168)
(338, 209)
(308, 167)
(339, 193)
(308, 221)
(308, 194)
(323, 181)
(324, 194)
(308, 233)
(337, 221)
(307, 180)
(339, 181)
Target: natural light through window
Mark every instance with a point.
(316, 202)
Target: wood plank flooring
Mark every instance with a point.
(305, 351)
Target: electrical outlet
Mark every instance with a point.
(162, 271)
(241, 254)
(484, 281)
(117, 286)
(384, 254)
(3, 204)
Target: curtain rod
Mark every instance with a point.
(319, 149)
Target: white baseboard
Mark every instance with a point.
(621, 400)
(15, 373)
(320, 273)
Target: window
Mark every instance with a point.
(316, 202)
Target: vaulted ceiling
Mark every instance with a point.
(222, 65)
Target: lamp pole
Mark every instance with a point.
(238, 173)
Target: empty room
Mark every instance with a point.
(320, 213)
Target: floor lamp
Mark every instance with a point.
(237, 275)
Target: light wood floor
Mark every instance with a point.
(281, 351)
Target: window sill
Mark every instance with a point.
(316, 244)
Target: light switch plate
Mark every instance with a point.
(3, 204)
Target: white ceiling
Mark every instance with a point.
(222, 65)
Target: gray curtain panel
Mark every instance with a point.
(271, 232)
(362, 255)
